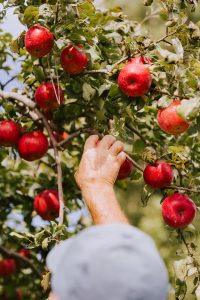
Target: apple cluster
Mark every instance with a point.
(134, 80)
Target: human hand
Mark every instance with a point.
(100, 162)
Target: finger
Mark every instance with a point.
(106, 142)
(121, 157)
(91, 142)
(116, 148)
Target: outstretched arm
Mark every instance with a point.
(96, 175)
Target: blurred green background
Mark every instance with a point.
(149, 218)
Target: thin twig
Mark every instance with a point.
(27, 261)
(7, 82)
(136, 131)
(168, 94)
(58, 163)
(104, 71)
(76, 134)
(174, 187)
(134, 163)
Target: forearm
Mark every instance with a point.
(102, 204)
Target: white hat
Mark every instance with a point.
(108, 262)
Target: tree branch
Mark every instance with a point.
(31, 104)
(58, 163)
(136, 165)
(168, 94)
(76, 134)
(25, 260)
(174, 187)
(17, 96)
(136, 131)
(3, 85)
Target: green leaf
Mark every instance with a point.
(189, 108)
(31, 14)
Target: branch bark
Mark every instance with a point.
(17, 96)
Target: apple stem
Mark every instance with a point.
(24, 259)
(57, 95)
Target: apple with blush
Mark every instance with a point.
(10, 133)
(46, 204)
(25, 253)
(33, 145)
(135, 79)
(169, 121)
(49, 97)
(178, 210)
(38, 41)
(74, 59)
(125, 169)
(7, 267)
(158, 175)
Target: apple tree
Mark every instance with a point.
(88, 71)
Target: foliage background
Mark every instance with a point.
(86, 106)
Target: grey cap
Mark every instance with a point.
(108, 262)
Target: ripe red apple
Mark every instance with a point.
(125, 169)
(19, 295)
(38, 41)
(47, 204)
(73, 59)
(169, 121)
(178, 210)
(135, 79)
(48, 96)
(9, 133)
(33, 145)
(25, 252)
(7, 267)
(158, 175)
(60, 136)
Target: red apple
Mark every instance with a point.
(169, 121)
(7, 267)
(134, 79)
(39, 41)
(48, 96)
(19, 295)
(60, 136)
(125, 169)
(47, 204)
(9, 133)
(25, 252)
(178, 210)
(73, 59)
(158, 175)
(33, 145)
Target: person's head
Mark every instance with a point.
(108, 262)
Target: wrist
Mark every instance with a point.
(96, 186)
